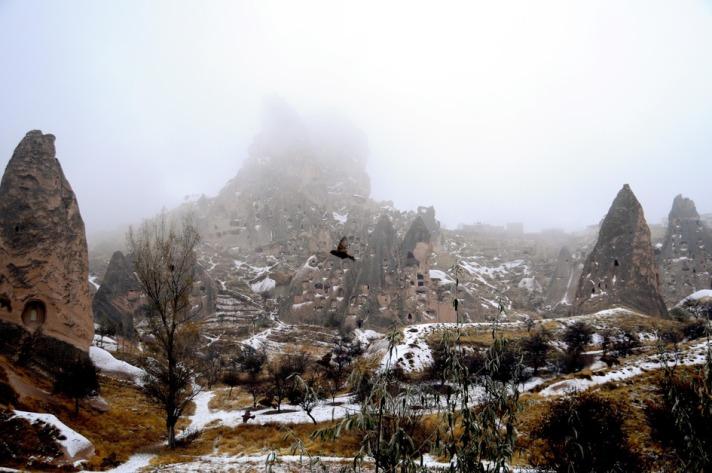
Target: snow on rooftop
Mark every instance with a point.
(73, 442)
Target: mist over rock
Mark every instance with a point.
(414, 248)
(561, 291)
(686, 254)
(43, 249)
(117, 299)
(380, 259)
(296, 178)
(621, 269)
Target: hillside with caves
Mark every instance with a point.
(477, 348)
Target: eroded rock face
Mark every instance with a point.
(380, 260)
(561, 292)
(43, 250)
(686, 255)
(118, 297)
(621, 270)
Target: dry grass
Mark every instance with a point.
(481, 337)
(130, 424)
(224, 401)
(258, 439)
(634, 393)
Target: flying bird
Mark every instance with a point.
(341, 251)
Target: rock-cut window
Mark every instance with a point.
(34, 313)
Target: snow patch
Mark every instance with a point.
(341, 218)
(264, 285)
(73, 442)
(441, 277)
(106, 362)
(696, 296)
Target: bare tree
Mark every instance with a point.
(251, 362)
(165, 262)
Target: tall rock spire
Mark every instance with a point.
(43, 249)
(621, 270)
(686, 255)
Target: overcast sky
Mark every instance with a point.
(492, 111)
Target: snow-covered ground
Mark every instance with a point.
(287, 464)
(693, 355)
(696, 296)
(323, 412)
(442, 277)
(365, 337)
(92, 281)
(107, 343)
(263, 285)
(106, 362)
(135, 463)
(413, 352)
(74, 442)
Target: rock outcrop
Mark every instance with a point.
(43, 250)
(379, 265)
(686, 254)
(118, 298)
(561, 291)
(621, 270)
(416, 245)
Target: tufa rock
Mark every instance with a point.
(562, 286)
(381, 256)
(686, 254)
(621, 269)
(118, 298)
(43, 250)
(416, 245)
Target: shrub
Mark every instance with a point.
(680, 314)
(583, 433)
(25, 444)
(671, 336)
(535, 349)
(77, 380)
(694, 330)
(230, 378)
(576, 336)
(682, 420)
(8, 396)
(625, 343)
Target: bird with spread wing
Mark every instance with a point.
(342, 251)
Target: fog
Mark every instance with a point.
(491, 111)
